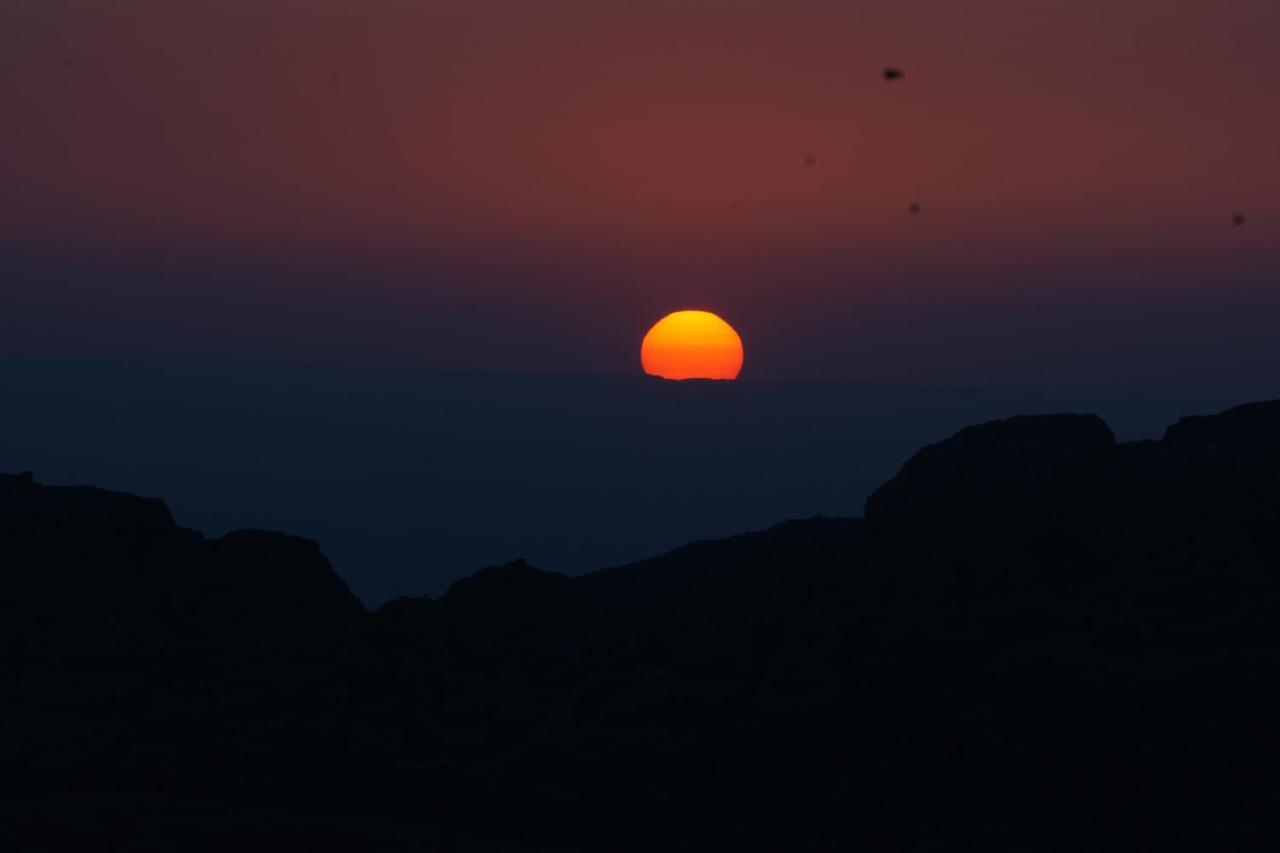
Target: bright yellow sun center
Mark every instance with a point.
(692, 345)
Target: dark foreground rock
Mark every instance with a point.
(1038, 639)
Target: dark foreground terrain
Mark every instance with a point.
(1037, 639)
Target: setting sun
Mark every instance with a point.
(692, 345)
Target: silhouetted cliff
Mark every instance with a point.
(1038, 639)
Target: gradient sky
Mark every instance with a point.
(510, 184)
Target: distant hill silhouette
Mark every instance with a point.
(1037, 639)
(624, 589)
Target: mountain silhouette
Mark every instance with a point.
(1037, 638)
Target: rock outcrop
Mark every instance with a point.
(995, 480)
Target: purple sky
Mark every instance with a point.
(528, 185)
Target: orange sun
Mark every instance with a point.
(692, 345)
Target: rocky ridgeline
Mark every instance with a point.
(1037, 638)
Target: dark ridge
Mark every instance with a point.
(992, 462)
(624, 589)
(1038, 639)
(1251, 426)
